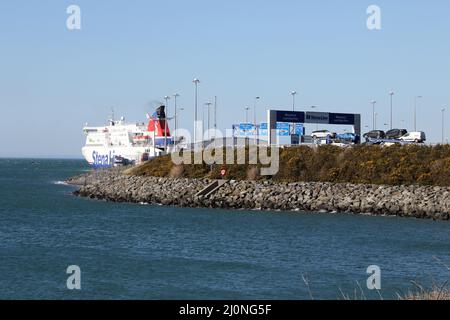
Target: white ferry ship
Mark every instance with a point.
(120, 143)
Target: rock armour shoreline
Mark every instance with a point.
(426, 202)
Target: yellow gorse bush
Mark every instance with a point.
(395, 165)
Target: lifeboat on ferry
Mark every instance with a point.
(141, 138)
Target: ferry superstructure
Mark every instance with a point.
(127, 143)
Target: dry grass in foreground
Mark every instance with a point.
(396, 165)
(434, 294)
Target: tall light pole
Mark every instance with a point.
(293, 94)
(392, 95)
(215, 119)
(208, 106)
(373, 102)
(315, 108)
(215, 112)
(175, 96)
(312, 108)
(167, 98)
(246, 114)
(415, 111)
(165, 122)
(178, 111)
(254, 117)
(443, 127)
(196, 82)
(375, 119)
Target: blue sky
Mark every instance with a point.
(130, 53)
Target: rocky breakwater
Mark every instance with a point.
(406, 201)
(94, 176)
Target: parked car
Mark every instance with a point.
(374, 134)
(417, 137)
(322, 134)
(395, 134)
(121, 161)
(348, 136)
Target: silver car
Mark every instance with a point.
(322, 134)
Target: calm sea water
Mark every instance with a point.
(128, 251)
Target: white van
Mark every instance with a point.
(417, 137)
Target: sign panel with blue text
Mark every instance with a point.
(282, 129)
(290, 116)
(342, 118)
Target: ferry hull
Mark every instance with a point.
(103, 157)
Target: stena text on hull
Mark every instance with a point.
(121, 143)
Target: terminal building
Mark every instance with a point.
(288, 127)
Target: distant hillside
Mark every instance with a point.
(396, 165)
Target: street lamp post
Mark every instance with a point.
(179, 110)
(167, 98)
(215, 119)
(293, 94)
(246, 114)
(375, 119)
(392, 95)
(208, 106)
(254, 117)
(165, 122)
(312, 108)
(215, 113)
(443, 127)
(415, 111)
(373, 114)
(175, 96)
(196, 82)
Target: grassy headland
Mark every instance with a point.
(395, 165)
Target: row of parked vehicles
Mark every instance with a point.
(372, 137)
(347, 137)
(394, 136)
